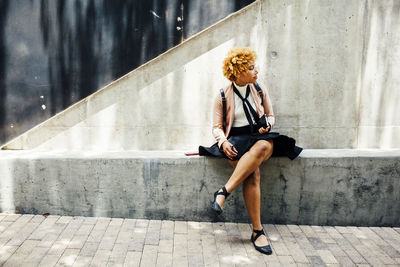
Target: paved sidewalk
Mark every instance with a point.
(35, 240)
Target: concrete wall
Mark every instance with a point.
(322, 187)
(329, 65)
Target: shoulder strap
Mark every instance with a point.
(223, 108)
(259, 90)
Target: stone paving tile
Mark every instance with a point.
(194, 247)
(11, 217)
(79, 241)
(64, 219)
(232, 229)
(327, 257)
(209, 248)
(295, 251)
(345, 261)
(351, 251)
(15, 226)
(167, 230)
(6, 252)
(137, 241)
(294, 228)
(118, 254)
(308, 231)
(4, 225)
(181, 227)
(317, 243)
(275, 239)
(368, 254)
(58, 248)
(343, 230)
(336, 250)
(82, 261)
(141, 223)
(316, 261)
(238, 245)
(286, 261)
(387, 237)
(44, 228)
(149, 256)
(305, 244)
(164, 259)
(283, 230)
(180, 251)
(68, 257)
(332, 232)
(89, 249)
(101, 258)
(35, 257)
(49, 260)
(132, 259)
(22, 235)
(326, 238)
(27, 247)
(153, 233)
(206, 228)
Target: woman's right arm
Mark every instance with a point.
(217, 128)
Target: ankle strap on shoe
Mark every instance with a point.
(224, 192)
(258, 233)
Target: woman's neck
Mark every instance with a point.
(240, 85)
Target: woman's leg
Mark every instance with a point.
(248, 163)
(252, 198)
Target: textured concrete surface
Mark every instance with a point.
(330, 69)
(35, 240)
(322, 187)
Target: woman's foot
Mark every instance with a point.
(219, 200)
(260, 242)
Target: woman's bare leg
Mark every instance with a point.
(252, 198)
(248, 163)
(247, 171)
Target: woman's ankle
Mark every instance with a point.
(258, 227)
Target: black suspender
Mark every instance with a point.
(223, 108)
(260, 92)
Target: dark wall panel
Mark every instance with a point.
(55, 52)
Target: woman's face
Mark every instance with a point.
(250, 76)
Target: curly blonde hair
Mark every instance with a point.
(237, 61)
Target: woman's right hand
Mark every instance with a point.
(229, 150)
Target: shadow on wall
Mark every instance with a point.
(379, 95)
(3, 19)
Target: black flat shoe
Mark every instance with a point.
(215, 206)
(264, 249)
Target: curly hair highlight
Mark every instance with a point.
(237, 61)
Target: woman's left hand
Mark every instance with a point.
(263, 130)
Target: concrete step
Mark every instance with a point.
(321, 187)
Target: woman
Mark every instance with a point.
(242, 121)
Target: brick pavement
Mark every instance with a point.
(35, 240)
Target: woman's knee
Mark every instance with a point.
(262, 148)
(254, 178)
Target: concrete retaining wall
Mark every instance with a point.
(322, 187)
(330, 67)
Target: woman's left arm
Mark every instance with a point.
(268, 110)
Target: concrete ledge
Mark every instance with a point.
(321, 187)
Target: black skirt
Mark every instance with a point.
(243, 140)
